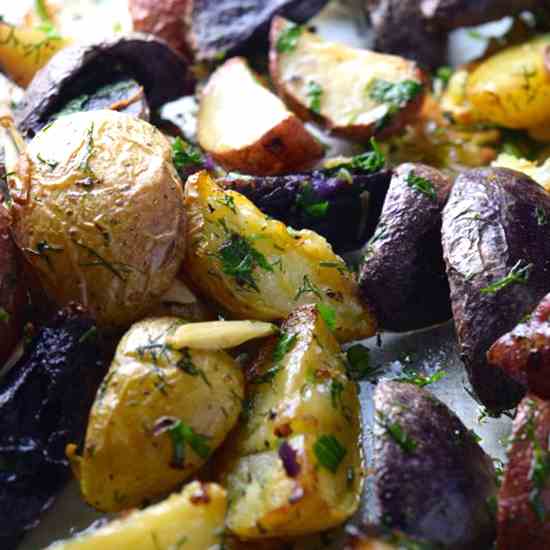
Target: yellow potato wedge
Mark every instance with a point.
(248, 129)
(512, 87)
(538, 172)
(257, 268)
(157, 417)
(354, 92)
(25, 50)
(295, 465)
(190, 520)
(454, 101)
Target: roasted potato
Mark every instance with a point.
(44, 403)
(355, 93)
(524, 495)
(432, 477)
(100, 218)
(497, 251)
(538, 172)
(257, 268)
(341, 205)
(512, 88)
(159, 414)
(295, 465)
(372, 537)
(402, 274)
(246, 128)
(192, 519)
(524, 353)
(24, 50)
(454, 101)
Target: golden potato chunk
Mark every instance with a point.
(354, 92)
(190, 520)
(247, 128)
(295, 466)
(257, 268)
(159, 414)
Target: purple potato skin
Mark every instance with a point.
(438, 488)
(490, 223)
(403, 273)
(347, 222)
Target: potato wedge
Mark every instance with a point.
(25, 50)
(355, 93)
(373, 537)
(157, 417)
(512, 88)
(190, 520)
(537, 172)
(246, 128)
(295, 465)
(257, 268)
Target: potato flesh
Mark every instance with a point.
(98, 211)
(539, 173)
(192, 519)
(299, 406)
(344, 75)
(304, 269)
(124, 463)
(512, 88)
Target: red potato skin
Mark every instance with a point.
(12, 291)
(524, 353)
(355, 132)
(518, 525)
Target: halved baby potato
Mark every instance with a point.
(190, 520)
(246, 128)
(157, 417)
(295, 465)
(257, 268)
(354, 92)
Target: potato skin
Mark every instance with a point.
(519, 525)
(373, 537)
(524, 353)
(437, 490)
(193, 518)
(126, 460)
(233, 102)
(512, 88)
(489, 225)
(300, 267)
(271, 493)
(403, 272)
(103, 223)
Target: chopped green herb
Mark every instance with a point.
(371, 161)
(186, 365)
(310, 203)
(519, 274)
(185, 155)
(396, 432)
(341, 267)
(444, 74)
(394, 95)
(359, 367)
(91, 333)
(314, 95)
(229, 202)
(379, 235)
(4, 316)
(328, 315)
(288, 39)
(308, 288)
(421, 380)
(422, 185)
(285, 344)
(540, 214)
(239, 259)
(118, 269)
(329, 452)
(52, 164)
(336, 390)
(182, 434)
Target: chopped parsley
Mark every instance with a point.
(52, 164)
(421, 380)
(328, 314)
(285, 344)
(288, 39)
(359, 367)
(541, 216)
(182, 434)
(310, 204)
(186, 365)
(314, 95)
(441, 79)
(397, 433)
(422, 185)
(370, 161)
(336, 390)
(4, 316)
(239, 259)
(329, 452)
(308, 288)
(519, 274)
(185, 155)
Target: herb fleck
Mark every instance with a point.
(329, 452)
(4, 316)
(396, 432)
(328, 315)
(285, 344)
(541, 216)
(185, 155)
(370, 161)
(288, 39)
(308, 288)
(394, 95)
(359, 367)
(186, 365)
(182, 434)
(422, 185)
(421, 380)
(310, 204)
(519, 274)
(314, 95)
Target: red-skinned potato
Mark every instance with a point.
(524, 497)
(246, 128)
(354, 92)
(11, 290)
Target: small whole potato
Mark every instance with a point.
(98, 212)
(157, 417)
